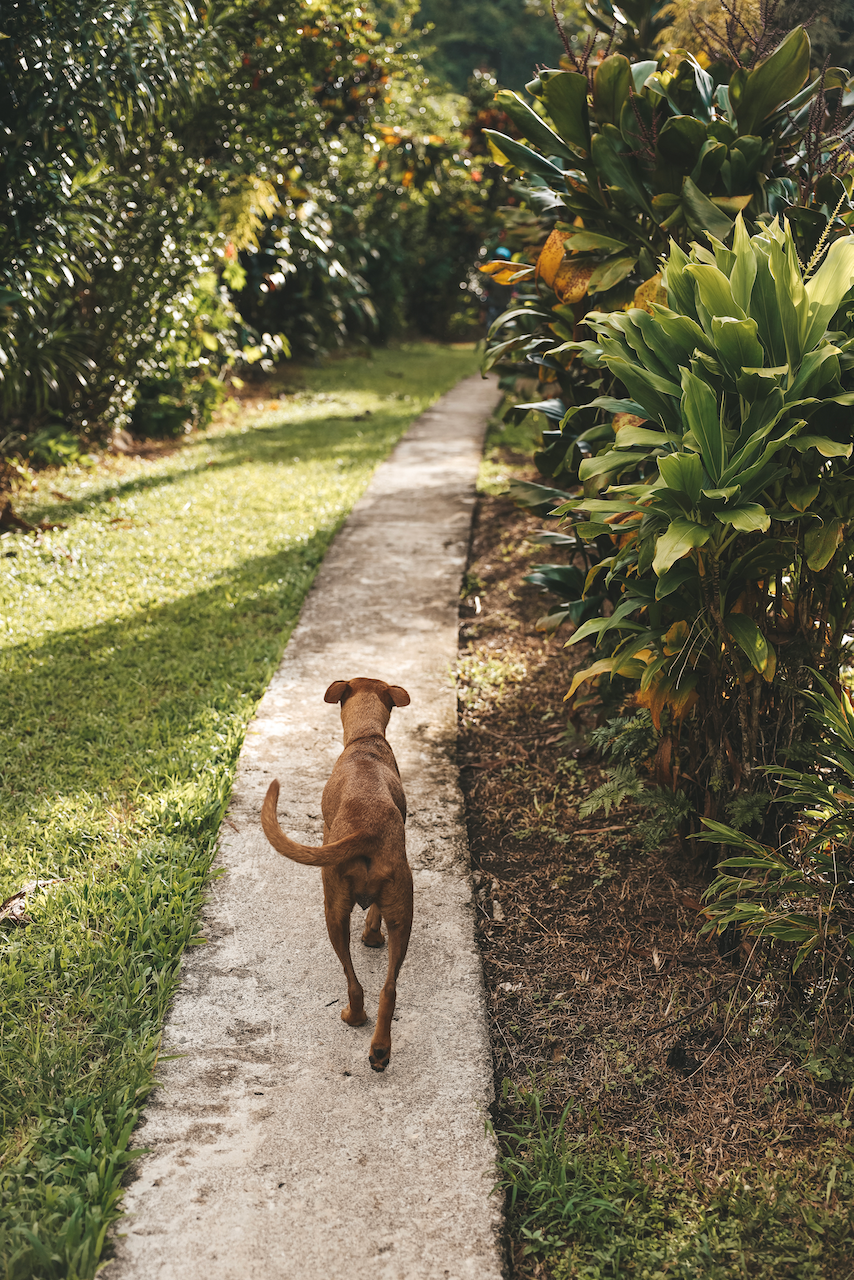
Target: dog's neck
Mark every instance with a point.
(363, 717)
(364, 737)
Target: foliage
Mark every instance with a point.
(734, 527)
(622, 157)
(797, 896)
(137, 638)
(175, 206)
(595, 1211)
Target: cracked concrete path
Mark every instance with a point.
(275, 1152)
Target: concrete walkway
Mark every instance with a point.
(276, 1153)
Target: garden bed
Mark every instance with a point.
(709, 1132)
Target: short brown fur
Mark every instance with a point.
(363, 857)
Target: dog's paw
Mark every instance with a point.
(353, 1020)
(370, 939)
(379, 1059)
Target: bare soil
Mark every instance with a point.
(601, 989)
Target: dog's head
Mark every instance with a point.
(364, 690)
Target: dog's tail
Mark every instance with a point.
(327, 855)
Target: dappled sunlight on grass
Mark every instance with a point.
(136, 643)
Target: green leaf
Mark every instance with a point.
(682, 473)
(749, 639)
(826, 289)
(821, 541)
(700, 214)
(583, 240)
(618, 168)
(611, 83)
(565, 96)
(764, 309)
(827, 448)
(713, 291)
(524, 158)
(682, 536)
(757, 93)
(701, 413)
(530, 125)
(737, 344)
(610, 273)
(681, 140)
(748, 518)
(606, 463)
(640, 72)
(801, 495)
(675, 578)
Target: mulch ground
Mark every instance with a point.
(600, 985)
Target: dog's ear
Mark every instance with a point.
(399, 696)
(337, 691)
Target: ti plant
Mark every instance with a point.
(618, 160)
(728, 504)
(798, 897)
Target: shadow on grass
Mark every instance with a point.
(120, 712)
(323, 440)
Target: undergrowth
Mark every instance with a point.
(592, 1210)
(137, 640)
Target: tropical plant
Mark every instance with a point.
(731, 534)
(620, 157)
(798, 896)
(188, 193)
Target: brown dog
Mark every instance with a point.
(364, 848)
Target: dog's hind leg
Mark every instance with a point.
(338, 928)
(399, 925)
(372, 935)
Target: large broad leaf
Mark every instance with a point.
(658, 396)
(522, 157)
(748, 518)
(821, 541)
(749, 639)
(682, 536)
(530, 125)
(700, 214)
(826, 447)
(764, 309)
(606, 463)
(585, 240)
(565, 96)
(682, 473)
(702, 416)
(737, 344)
(792, 303)
(609, 273)
(630, 667)
(756, 94)
(611, 84)
(618, 168)
(681, 140)
(537, 498)
(744, 271)
(827, 288)
(713, 292)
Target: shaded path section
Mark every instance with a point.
(276, 1153)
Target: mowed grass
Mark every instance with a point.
(135, 643)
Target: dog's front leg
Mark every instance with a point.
(338, 928)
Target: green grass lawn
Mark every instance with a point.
(136, 642)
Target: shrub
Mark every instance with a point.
(731, 541)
